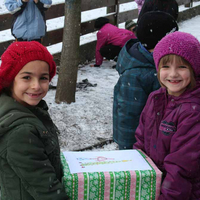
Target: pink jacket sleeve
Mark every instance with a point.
(139, 2)
(101, 41)
(182, 164)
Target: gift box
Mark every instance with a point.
(111, 185)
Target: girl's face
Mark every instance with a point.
(31, 83)
(175, 76)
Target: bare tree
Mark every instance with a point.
(66, 87)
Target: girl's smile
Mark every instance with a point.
(175, 76)
(32, 83)
(34, 95)
(172, 81)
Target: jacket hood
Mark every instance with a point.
(138, 57)
(13, 114)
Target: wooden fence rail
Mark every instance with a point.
(87, 50)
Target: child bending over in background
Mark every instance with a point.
(110, 40)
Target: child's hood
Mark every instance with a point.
(138, 59)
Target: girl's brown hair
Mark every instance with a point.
(169, 59)
(7, 91)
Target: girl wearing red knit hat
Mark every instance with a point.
(30, 166)
(169, 128)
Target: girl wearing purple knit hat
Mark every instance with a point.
(169, 128)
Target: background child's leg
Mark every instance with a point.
(110, 51)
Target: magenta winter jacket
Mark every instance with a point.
(110, 34)
(169, 132)
(139, 4)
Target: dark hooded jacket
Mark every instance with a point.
(138, 78)
(169, 6)
(30, 167)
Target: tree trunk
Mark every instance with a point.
(66, 87)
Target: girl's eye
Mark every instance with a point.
(44, 78)
(26, 77)
(165, 66)
(182, 67)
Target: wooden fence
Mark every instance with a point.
(116, 17)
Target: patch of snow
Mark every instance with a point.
(89, 120)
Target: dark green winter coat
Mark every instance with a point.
(30, 167)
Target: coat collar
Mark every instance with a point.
(187, 97)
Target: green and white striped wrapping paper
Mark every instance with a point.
(123, 185)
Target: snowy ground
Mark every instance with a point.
(89, 120)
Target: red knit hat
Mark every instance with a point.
(17, 55)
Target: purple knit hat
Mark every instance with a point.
(181, 44)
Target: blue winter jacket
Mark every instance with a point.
(29, 23)
(138, 78)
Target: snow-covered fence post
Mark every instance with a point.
(66, 87)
